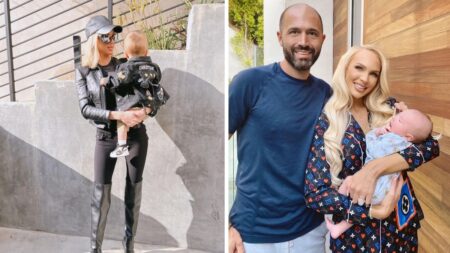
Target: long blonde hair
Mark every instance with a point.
(91, 54)
(338, 107)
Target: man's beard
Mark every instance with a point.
(301, 65)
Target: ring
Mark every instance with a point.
(361, 202)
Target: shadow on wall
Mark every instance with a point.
(46, 164)
(194, 118)
(41, 193)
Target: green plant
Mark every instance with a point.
(247, 16)
(243, 48)
(166, 34)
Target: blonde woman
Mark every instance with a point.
(361, 102)
(99, 106)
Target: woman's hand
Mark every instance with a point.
(104, 81)
(401, 106)
(385, 208)
(131, 118)
(147, 110)
(344, 187)
(141, 113)
(361, 185)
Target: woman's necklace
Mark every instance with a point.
(361, 116)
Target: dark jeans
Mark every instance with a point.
(106, 142)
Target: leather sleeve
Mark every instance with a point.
(87, 106)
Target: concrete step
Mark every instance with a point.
(26, 241)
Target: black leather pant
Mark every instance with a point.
(104, 169)
(106, 142)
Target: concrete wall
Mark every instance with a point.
(273, 52)
(46, 159)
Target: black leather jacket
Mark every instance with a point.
(139, 80)
(91, 96)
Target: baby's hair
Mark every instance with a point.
(135, 43)
(439, 135)
(423, 127)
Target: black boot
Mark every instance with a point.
(133, 195)
(101, 200)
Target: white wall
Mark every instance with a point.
(323, 68)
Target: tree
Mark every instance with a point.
(247, 16)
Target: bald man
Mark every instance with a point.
(273, 109)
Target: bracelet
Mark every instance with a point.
(348, 211)
(370, 211)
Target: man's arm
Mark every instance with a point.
(240, 100)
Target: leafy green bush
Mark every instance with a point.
(247, 16)
(242, 48)
(169, 32)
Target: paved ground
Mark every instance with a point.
(25, 241)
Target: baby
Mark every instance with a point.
(136, 85)
(405, 128)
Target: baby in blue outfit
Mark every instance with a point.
(404, 129)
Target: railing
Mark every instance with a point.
(37, 40)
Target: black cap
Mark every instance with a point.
(101, 25)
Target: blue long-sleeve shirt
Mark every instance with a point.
(274, 116)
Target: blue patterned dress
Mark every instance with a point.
(366, 235)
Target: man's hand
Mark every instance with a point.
(385, 208)
(235, 244)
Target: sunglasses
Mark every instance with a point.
(106, 38)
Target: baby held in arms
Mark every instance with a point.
(404, 129)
